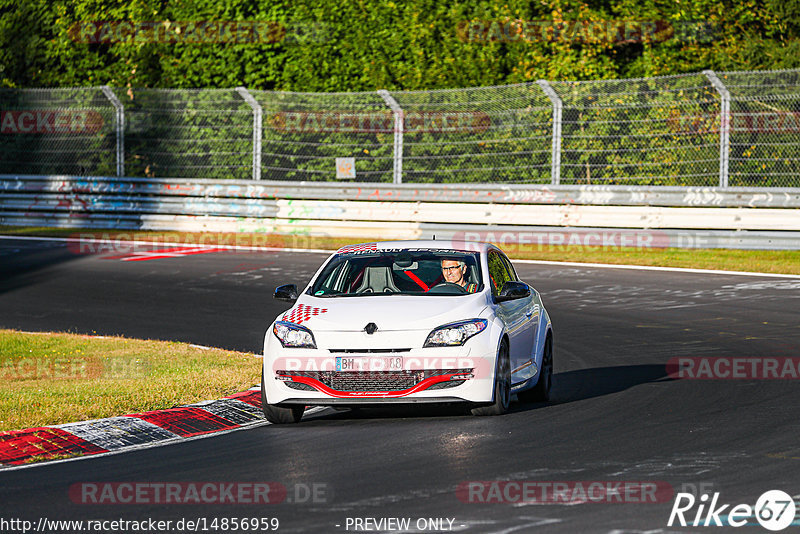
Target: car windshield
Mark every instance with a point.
(399, 272)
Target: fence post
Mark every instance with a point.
(397, 111)
(258, 113)
(555, 165)
(119, 126)
(724, 126)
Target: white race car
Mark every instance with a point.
(408, 322)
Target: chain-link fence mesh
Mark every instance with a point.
(673, 130)
(304, 133)
(764, 128)
(476, 135)
(656, 131)
(57, 131)
(187, 133)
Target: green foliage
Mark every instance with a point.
(414, 44)
(653, 131)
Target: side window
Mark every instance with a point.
(497, 271)
(334, 279)
(510, 268)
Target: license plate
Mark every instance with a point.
(369, 363)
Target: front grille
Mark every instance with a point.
(349, 381)
(373, 381)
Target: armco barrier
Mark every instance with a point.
(612, 195)
(735, 217)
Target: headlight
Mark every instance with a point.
(454, 334)
(293, 335)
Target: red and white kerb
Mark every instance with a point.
(302, 313)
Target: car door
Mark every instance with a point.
(512, 312)
(531, 310)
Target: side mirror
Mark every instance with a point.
(513, 290)
(287, 292)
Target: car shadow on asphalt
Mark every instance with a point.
(582, 384)
(569, 386)
(396, 411)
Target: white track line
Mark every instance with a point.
(656, 268)
(167, 244)
(323, 251)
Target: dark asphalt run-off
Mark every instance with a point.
(615, 414)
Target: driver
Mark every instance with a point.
(454, 271)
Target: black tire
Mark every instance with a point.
(279, 414)
(541, 391)
(502, 385)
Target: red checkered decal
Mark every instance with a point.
(302, 313)
(364, 247)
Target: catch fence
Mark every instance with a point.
(708, 129)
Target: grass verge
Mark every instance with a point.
(55, 378)
(764, 261)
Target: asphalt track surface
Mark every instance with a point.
(615, 415)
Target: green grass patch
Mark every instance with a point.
(764, 261)
(55, 378)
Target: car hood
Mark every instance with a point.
(389, 313)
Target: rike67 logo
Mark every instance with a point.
(774, 510)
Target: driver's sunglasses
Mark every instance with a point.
(450, 269)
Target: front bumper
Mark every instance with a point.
(433, 374)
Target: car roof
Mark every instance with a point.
(437, 244)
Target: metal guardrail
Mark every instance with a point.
(419, 212)
(477, 193)
(738, 218)
(706, 129)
